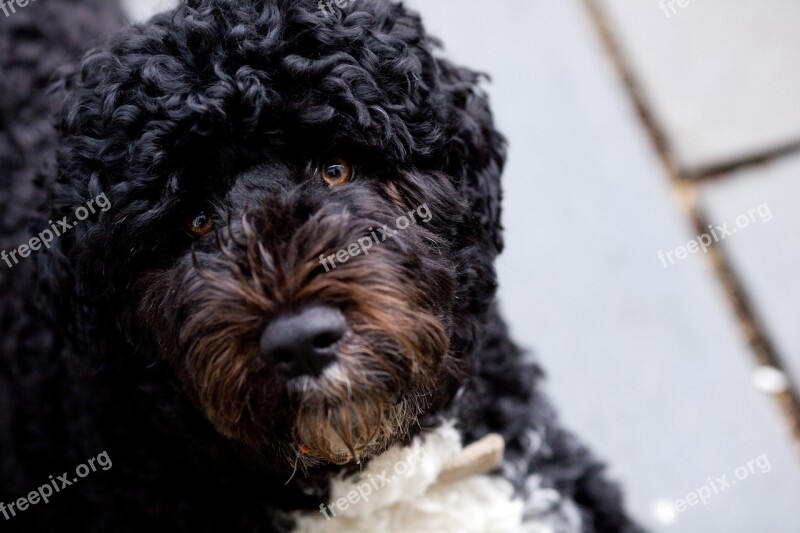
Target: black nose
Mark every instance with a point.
(304, 343)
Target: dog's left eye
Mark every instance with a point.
(199, 223)
(336, 172)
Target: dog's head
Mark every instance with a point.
(304, 216)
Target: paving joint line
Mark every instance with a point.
(722, 170)
(753, 330)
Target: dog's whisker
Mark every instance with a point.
(294, 469)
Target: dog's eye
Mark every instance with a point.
(336, 172)
(199, 224)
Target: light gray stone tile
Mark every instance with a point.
(765, 252)
(645, 362)
(722, 76)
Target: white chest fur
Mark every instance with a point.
(401, 491)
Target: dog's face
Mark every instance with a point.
(304, 217)
(311, 303)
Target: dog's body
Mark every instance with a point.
(146, 333)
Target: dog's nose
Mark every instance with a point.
(304, 343)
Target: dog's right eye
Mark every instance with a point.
(336, 172)
(199, 224)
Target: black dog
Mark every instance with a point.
(265, 254)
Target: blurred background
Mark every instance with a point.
(634, 125)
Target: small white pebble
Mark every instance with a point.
(769, 380)
(664, 511)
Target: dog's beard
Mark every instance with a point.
(339, 421)
(356, 408)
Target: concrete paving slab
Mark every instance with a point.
(721, 76)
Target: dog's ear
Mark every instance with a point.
(475, 152)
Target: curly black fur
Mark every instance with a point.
(227, 106)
